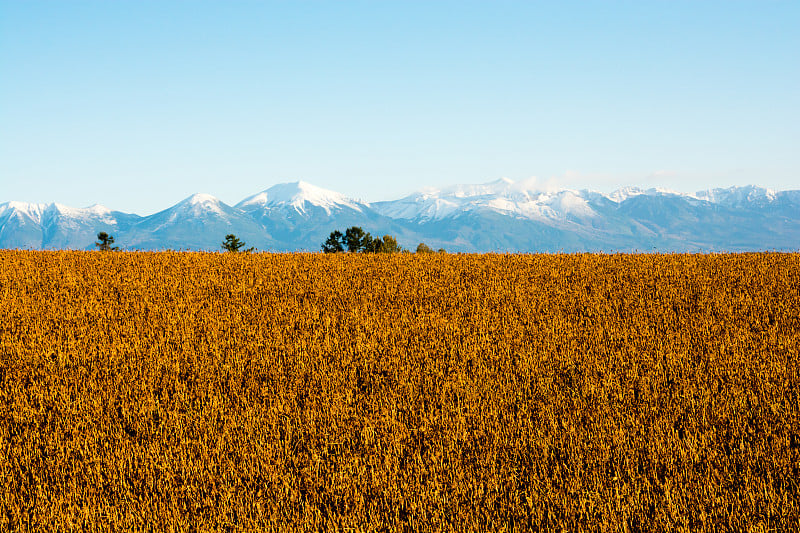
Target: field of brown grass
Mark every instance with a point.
(372, 392)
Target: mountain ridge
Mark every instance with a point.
(500, 215)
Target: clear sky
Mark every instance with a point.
(139, 104)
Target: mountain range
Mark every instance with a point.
(500, 216)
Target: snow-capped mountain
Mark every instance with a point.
(502, 196)
(20, 224)
(620, 195)
(497, 216)
(63, 225)
(56, 226)
(301, 197)
(303, 215)
(199, 222)
(736, 197)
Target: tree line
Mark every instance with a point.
(354, 239)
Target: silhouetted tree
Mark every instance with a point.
(334, 243)
(354, 239)
(105, 242)
(233, 244)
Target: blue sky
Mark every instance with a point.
(137, 104)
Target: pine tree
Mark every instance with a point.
(233, 244)
(105, 242)
(334, 243)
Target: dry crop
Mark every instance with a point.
(235, 392)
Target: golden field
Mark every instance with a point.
(405, 392)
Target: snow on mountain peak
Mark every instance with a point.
(99, 209)
(502, 186)
(504, 195)
(92, 214)
(737, 196)
(620, 195)
(199, 205)
(297, 194)
(202, 199)
(731, 196)
(96, 209)
(24, 209)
